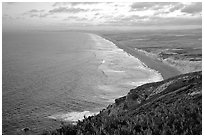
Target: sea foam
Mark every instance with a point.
(72, 116)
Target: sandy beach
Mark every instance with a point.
(166, 71)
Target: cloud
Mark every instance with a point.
(39, 15)
(175, 7)
(73, 3)
(35, 11)
(58, 4)
(11, 3)
(167, 7)
(67, 10)
(135, 20)
(83, 3)
(141, 5)
(96, 14)
(148, 5)
(99, 13)
(193, 8)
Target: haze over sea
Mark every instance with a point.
(62, 76)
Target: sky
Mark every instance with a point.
(65, 15)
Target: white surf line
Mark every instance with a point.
(143, 64)
(72, 116)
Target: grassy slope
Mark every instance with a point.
(172, 106)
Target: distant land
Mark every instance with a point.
(180, 49)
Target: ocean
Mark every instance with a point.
(49, 77)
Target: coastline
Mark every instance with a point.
(143, 64)
(153, 76)
(152, 95)
(164, 69)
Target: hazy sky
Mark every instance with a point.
(58, 15)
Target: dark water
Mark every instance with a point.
(53, 76)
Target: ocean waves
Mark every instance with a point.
(118, 72)
(122, 69)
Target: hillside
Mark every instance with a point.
(172, 106)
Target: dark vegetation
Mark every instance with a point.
(172, 106)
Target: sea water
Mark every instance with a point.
(62, 76)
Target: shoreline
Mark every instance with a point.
(73, 116)
(146, 61)
(165, 70)
(143, 64)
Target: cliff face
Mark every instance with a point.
(172, 106)
(148, 96)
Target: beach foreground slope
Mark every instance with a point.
(172, 106)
